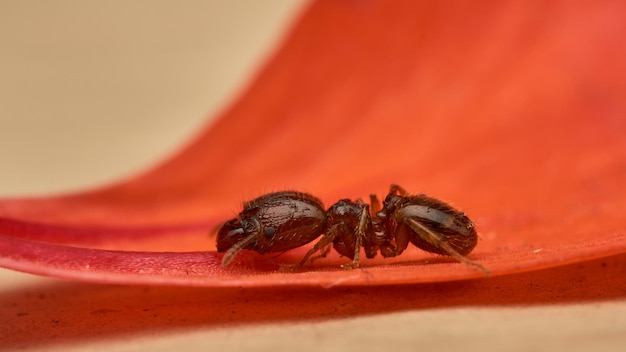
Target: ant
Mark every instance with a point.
(279, 221)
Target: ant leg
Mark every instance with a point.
(376, 205)
(397, 189)
(438, 242)
(326, 240)
(388, 250)
(360, 235)
(323, 253)
(232, 251)
(357, 254)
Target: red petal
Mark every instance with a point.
(512, 112)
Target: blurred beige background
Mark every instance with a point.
(94, 91)
(91, 91)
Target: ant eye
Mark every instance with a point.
(269, 232)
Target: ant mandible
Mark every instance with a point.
(279, 221)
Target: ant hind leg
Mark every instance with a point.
(437, 241)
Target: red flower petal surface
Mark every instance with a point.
(513, 112)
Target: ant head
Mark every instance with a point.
(231, 233)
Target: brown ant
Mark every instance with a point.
(277, 222)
